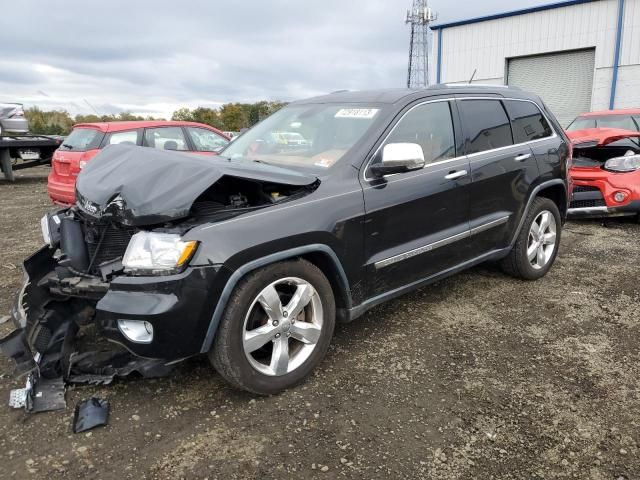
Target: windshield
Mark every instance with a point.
(314, 136)
(625, 122)
(82, 139)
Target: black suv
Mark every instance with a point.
(251, 257)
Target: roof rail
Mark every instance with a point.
(339, 91)
(483, 85)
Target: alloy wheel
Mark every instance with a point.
(283, 326)
(542, 240)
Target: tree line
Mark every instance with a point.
(229, 117)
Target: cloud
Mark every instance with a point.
(153, 56)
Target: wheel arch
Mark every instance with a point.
(555, 190)
(322, 256)
(557, 193)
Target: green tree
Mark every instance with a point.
(234, 116)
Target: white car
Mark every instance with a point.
(12, 118)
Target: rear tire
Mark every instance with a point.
(537, 244)
(276, 327)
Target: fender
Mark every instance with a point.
(261, 262)
(532, 197)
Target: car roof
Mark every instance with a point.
(395, 95)
(623, 111)
(131, 125)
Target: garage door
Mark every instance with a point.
(564, 80)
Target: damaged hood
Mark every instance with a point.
(599, 137)
(144, 186)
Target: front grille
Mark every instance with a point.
(106, 242)
(587, 203)
(585, 188)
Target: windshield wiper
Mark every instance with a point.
(261, 161)
(66, 145)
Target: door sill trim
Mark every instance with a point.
(440, 243)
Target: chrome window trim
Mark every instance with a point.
(471, 155)
(440, 243)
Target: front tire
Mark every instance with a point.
(276, 328)
(537, 244)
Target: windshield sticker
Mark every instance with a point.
(356, 113)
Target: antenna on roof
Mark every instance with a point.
(92, 107)
(473, 75)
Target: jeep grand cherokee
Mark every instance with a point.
(251, 257)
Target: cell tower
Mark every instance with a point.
(419, 17)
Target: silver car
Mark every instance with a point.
(12, 118)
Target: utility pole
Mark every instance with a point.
(419, 17)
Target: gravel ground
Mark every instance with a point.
(476, 377)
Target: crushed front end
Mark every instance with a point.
(80, 317)
(115, 290)
(605, 173)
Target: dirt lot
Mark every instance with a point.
(479, 376)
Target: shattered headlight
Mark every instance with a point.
(150, 252)
(628, 163)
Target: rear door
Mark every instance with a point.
(414, 220)
(501, 173)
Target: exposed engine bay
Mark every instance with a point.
(593, 147)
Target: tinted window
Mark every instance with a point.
(527, 121)
(165, 138)
(430, 126)
(205, 140)
(82, 139)
(486, 125)
(129, 137)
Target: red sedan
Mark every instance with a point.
(87, 139)
(605, 172)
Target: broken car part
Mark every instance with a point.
(605, 173)
(90, 414)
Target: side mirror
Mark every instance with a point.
(398, 158)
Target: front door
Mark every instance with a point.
(414, 220)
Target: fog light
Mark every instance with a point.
(138, 331)
(620, 197)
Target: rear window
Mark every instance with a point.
(625, 122)
(486, 125)
(82, 139)
(527, 121)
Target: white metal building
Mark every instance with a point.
(578, 55)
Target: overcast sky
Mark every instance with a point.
(153, 56)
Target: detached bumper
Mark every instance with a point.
(179, 307)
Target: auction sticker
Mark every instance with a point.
(356, 113)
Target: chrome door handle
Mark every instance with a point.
(454, 175)
(523, 157)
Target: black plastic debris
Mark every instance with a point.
(15, 346)
(90, 414)
(101, 367)
(47, 395)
